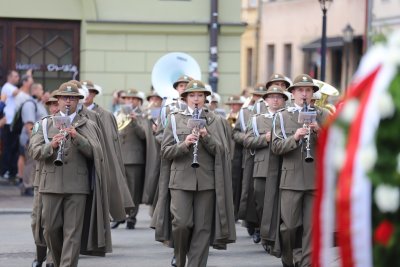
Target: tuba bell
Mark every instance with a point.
(326, 90)
(169, 68)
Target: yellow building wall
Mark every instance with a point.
(122, 39)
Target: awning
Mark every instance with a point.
(331, 42)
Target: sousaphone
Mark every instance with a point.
(169, 68)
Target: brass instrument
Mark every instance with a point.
(326, 91)
(232, 118)
(306, 117)
(60, 153)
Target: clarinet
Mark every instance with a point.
(60, 153)
(196, 115)
(308, 157)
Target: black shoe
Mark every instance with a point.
(115, 225)
(49, 264)
(130, 225)
(173, 261)
(256, 236)
(28, 192)
(250, 230)
(35, 263)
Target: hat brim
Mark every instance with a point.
(279, 93)
(258, 93)
(268, 84)
(205, 91)
(93, 89)
(148, 97)
(69, 94)
(178, 82)
(301, 84)
(233, 102)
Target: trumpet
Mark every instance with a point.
(232, 118)
(60, 153)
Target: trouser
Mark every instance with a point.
(296, 211)
(42, 254)
(259, 193)
(135, 180)
(62, 220)
(192, 213)
(10, 141)
(29, 170)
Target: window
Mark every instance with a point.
(249, 66)
(270, 59)
(287, 60)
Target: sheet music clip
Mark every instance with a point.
(61, 122)
(307, 117)
(193, 123)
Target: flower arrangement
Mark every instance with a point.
(359, 173)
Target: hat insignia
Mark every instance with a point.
(69, 88)
(275, 89)
(305, 78)
(276, 76)
(194, 85)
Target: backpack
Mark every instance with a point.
(17, 123)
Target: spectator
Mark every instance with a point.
(32, 111)
(9, 139)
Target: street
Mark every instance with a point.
(130, 247)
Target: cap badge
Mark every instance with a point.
(69, 89)
(276, 76)
(194, 85)
(305, 78)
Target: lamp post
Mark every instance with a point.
(325, 4)
(348, 35)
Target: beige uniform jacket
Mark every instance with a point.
(132, 139)
(296, 173)
(72, 177)
(266, 164)
(183, 176)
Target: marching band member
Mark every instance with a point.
(297, 182)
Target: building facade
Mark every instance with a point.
(115, 43)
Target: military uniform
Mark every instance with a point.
(63, 189)
(297, 182)
(193, 190)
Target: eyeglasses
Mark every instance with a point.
(66, 97)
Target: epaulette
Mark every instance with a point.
(291, 109)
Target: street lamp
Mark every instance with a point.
(325, 4)
(348, 35)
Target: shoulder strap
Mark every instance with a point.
(282, 125)
(44, 128)
(254, 124)
(173, 125)
(242, 122)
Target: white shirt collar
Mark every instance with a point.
(71, 117)
(192, 110)
(91, 107)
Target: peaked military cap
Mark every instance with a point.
(196, 86)
(90, 86)
(236, 99)
(183, 79)
(259, 89)
(274, 89)
(303, 80)
(68, 89)
(134, 93)
(276, 77)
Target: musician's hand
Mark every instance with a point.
(315, 127)
(268, 136)
(55, 142)
(300, 133)
(71, 131)
(203, 132)
(133, 116)
(190, 139)
(154, 127)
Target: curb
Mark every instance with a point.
(15, 211)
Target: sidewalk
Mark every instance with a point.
(11, 200)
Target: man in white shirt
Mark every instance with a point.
(9, 139)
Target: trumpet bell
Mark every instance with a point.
(169, 68)
(122, 121)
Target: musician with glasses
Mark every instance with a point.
(297, 184)
(266, 165)
(66, 187)
(200, 198)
